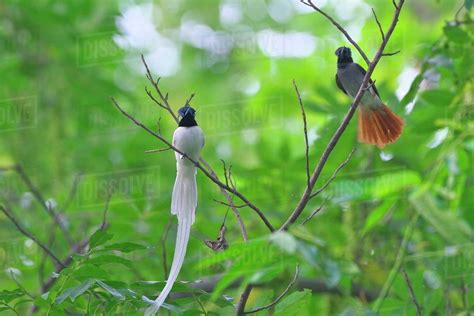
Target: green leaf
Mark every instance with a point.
(100, 237)
(87, 271)
(412, 92)
(81, 288)
(447, 224)
(377, 215)
(125, 247)
(63, 296)
(106, 259)
(468, 4)
(455, 34)
(380, 186)
(7, 296)
(74, 292)
(114, 292)
(294, 303)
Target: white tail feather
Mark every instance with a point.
(183, 205)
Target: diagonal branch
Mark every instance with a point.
(310, 3)
(305, 129)
(342, 127)
(164, 97)
(39, 197)
(198, 165)
(378, 24)
(243, 300)
(315, 212)
(345, 162)
(280, 297)
(412, 293)
(165, 105)
(29, 235)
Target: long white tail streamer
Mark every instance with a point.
(183, 205)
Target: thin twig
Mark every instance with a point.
(188, 101)
(206, 172)
(315, 212)
(412, 293)
(280, 297)
(378, 24)
(342, 127)
(30, 236)
(339, 27)
(230, 205)
(240, 308)
(370, 85)
(165, 104)
(157, 150)
(103, 225)
(397, 264)
(163, 97)
(20, 285)
(39, 197)
(77, 248)
(72, 192)
(345, 162)
(391, 54)
(305, 130)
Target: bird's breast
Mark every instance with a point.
(189, 140)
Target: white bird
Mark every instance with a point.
(189, 139)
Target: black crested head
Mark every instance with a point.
(344, 55)
(187, 115)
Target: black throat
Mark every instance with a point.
(188, 121)
(343, 61)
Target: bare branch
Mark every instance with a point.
(391, 54)
(412, 293)
(30, 236)
(230, 205)
(378, 24)
(339, 27)
(39, 197)
(72, 192)
(305, 128)
(342, 127)
(157, 150)
(345, 162)
(370, 85)
(225, 171)
(12, 275)
(229, 198)
(188, 101)
(240, 308)
(280, 297)
(206, 172)
(103, 225)
(165, 104)
(315, 212)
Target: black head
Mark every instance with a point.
(187, 115)
(344, 55)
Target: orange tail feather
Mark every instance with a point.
(379, 126)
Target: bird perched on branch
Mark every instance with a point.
(189, 140)
(378, 125)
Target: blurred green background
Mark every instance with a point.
(407, 206)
